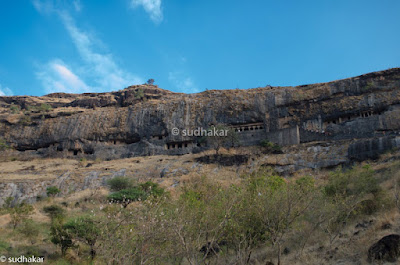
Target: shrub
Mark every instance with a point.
(82, 162)
(30, 230)
(19, 213)
(270, 147)
(8, 202)
(44, 108)
(25, 120)
(54, 211)
(152, 188)
(14, 109)
(52, 191)
(139, 93)
(136, 193)
(357, 182)
(150, 81)
(120, 183)
(128, 195)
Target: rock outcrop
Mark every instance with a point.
(387, 249)
(139, 120)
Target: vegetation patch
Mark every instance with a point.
(126, 193)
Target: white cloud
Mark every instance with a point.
(5, 91)
(50, 6)
(102, 67)
(152, 7)
(101, 72)
(43, 6)
(182, 82)
(57, 77)
(77, 5)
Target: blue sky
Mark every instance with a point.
(187, 46)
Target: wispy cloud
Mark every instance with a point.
(182, 82)
(77, 5)
(152, 7)
(57, 77)
(102, 67)
(5, 91)
(101, 72)
(43, 6)
(50, 6)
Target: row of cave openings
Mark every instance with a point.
(237, 128)
(364, 114)
(248, 127)
(76, 152)
(341, 119)
(176, 145)
(181, 145)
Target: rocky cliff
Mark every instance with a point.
(139, 120)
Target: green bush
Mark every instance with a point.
(41, 108)
(352, 182)
(136, 193)
(152, 188)
(52, 191)
(45, 108)
(270, 147)
(127, 195)
(14, 109)
(54, 211)
(120, 183)
(139, 93)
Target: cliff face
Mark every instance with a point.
(139, 120)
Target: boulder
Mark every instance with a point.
(387, 249)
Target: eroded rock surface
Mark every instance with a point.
(138, 120)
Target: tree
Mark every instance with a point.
(19, 213)
(195, 223)
(150, 81)
(54, 212)
(217, 141)
(269, 208)
(232, 139)
(85, 230)
(30, 230)
(345, 195)
(60, 236)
